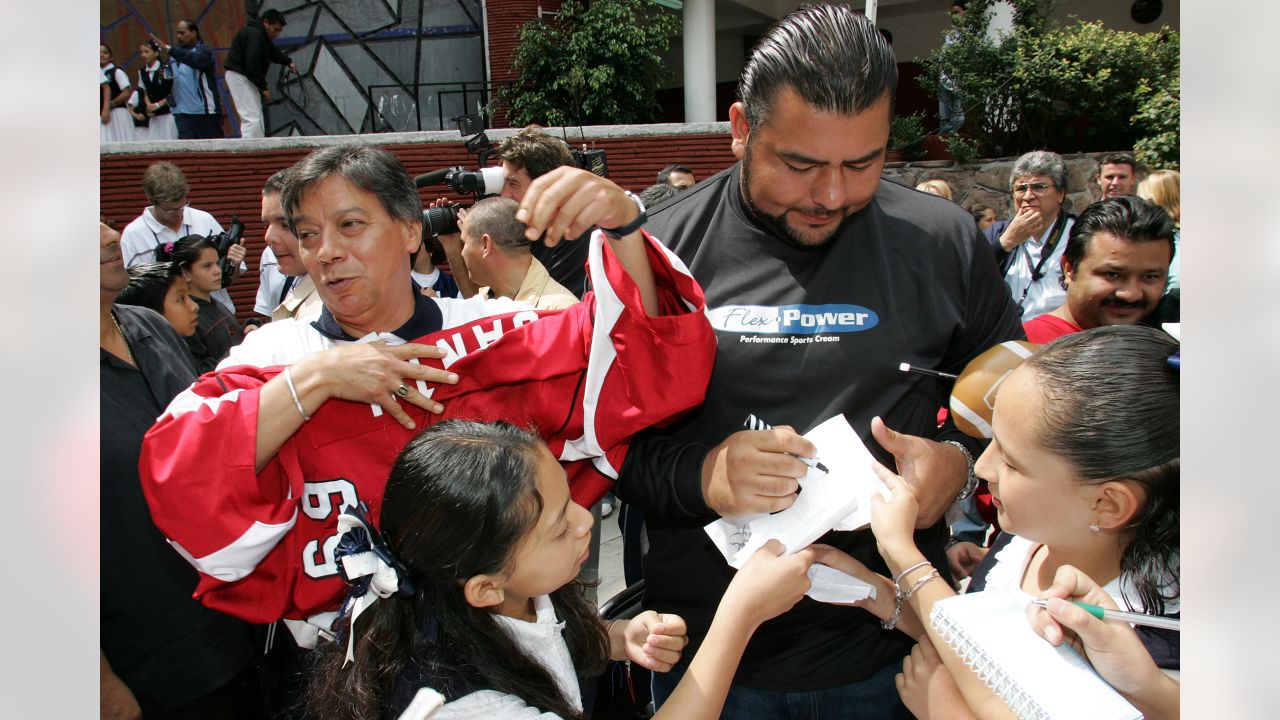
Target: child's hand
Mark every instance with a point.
(882, 605)
(963, 558)
(894, 521)
(655, 641)
(1113, 648)
(927, 688)
(769, 584)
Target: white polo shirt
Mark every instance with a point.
(1046, 293)
(139, 240)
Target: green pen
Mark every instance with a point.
(1130, 617)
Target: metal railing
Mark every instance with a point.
(394, 110)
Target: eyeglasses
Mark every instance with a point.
(169, 211)
(1036, 188)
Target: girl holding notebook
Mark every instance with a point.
(1083, 470)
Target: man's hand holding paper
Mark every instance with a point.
(839, 499)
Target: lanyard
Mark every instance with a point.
(1037, 272)
(288, 285)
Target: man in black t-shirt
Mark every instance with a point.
(820, 279)
(162, 653)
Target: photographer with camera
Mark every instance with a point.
(526, 156)
(196, 109)
(498, 257)
(170, 217)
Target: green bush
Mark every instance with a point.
(1074, 88)
(906, 135)
(962, 149)
(599, 65)
(1158, 113)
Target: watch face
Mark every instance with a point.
(1146, 11)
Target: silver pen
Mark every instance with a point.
(1130, 617)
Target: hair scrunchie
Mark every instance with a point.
(367, 565)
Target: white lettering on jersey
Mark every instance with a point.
(317, 504)
(455, 346)
(317, 500)
(320, 565)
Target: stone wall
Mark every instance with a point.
(986, 182)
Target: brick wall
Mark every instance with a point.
(229, 182)
(505, 18)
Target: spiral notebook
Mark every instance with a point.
(990, 632)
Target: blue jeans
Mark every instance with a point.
(950, 111)
(875, 698)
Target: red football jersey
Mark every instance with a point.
(586, 378)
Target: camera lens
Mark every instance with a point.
(439, 221)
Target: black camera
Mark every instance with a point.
(223, 242)
(485, 181)
(231, 236)
(438, 221)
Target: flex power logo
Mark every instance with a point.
(792, 319)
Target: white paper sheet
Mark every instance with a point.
(839, 500)
(829, 585)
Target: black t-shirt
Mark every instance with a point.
(167, 647)
(566, 263)
(217, 331)
(805, 334)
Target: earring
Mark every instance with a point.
(1094, 527)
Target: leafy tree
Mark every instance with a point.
(596, 65)
(1158, 114)
(1078, 88)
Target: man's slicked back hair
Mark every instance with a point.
(835, 59)
(1128, 216)
(370, 168)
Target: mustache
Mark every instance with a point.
(1117, 302)
(819, 212)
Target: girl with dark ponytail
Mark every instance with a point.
(1083, 469)
(217, 331)
(474, 593)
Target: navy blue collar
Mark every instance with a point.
(426, 319)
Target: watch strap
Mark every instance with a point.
(632, 226)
